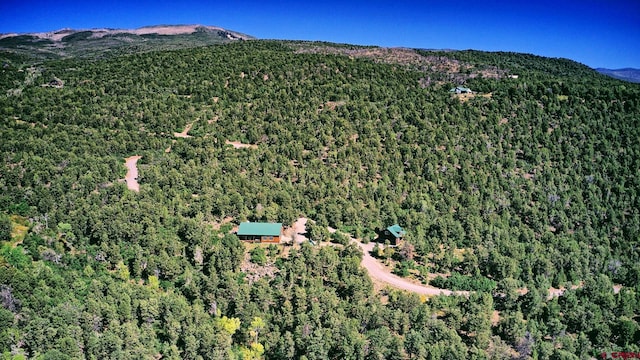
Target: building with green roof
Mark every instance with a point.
(260, 232)
(394, 234)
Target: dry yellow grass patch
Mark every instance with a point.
(459, 253)
(468, 96)
(330, 105)
(20, 228)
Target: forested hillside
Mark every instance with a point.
(530, 182)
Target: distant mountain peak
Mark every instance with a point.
(99, 42)
(626, 74)
(58, 35)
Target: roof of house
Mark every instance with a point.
(396, 230)
(460, 88)
(260, 228)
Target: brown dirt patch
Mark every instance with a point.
(239, 145)
(184, 132)
(522, 291)
(132, 173)
(495, 317)
(296, 233)
(553, 292)
(168, 150)
(528, 176)
(217, 225)
(330, 105)
(254, 272)
(405, 56)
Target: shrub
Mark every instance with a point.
(258, 256)
(339, 238)
(463, 282)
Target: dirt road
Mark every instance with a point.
(379, 273)
(132, 173)
(184, 132)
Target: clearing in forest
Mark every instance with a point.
(184, 132)
(132, 173)
(19, 229)
(468, 96)
(296, 233)
(239, 145)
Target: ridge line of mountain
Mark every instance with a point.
(64, 35)
(58, 35)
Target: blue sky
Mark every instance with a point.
(598, 33)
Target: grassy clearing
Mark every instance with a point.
(468, 96)
(19, 230)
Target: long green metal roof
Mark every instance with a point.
(260, 228)
(396, 230)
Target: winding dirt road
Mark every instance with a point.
(132, 173)
(377, 272)
(381, 275)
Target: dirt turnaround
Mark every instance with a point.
(132, 173)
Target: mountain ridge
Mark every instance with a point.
(100, 42)
(626, 74)
(58, 35)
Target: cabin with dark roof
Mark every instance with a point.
(260, 232)
(394, 234)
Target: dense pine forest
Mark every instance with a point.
(528, 184)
